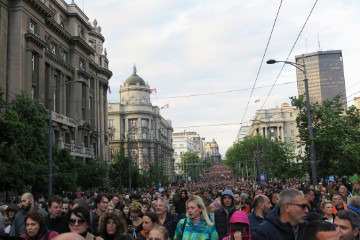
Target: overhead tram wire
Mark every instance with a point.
(278, 76)
(262, 60)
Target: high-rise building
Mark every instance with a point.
(136, 127)
(50, 50)
(325, 74)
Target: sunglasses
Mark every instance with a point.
(303, 206)
(74, 221)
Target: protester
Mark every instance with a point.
(197, 224)
(27, 204)
(261, 206)
(79, 222)
(239, 227)
(321, 230)
(223, 215)
(55, 221)
(36, 227)
(159, 233)
(168, 220)
(347, 223)
(113, 227)
(149, 221)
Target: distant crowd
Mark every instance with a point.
(218, 206)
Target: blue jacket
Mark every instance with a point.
(255, 221)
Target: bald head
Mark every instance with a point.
(69, 236)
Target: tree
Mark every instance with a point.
(24, 136)
(92, 174)
(336, 136)
(191, 163)
(259, 154)
(66, 169)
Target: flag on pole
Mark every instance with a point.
(152, 90)
(257, 100)
(165, 106)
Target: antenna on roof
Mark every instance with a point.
(318, 42)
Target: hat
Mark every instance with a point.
(313, 216)
(244, 196)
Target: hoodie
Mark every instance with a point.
(240, 217)
(222, 216)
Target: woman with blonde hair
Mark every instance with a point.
(197, 224)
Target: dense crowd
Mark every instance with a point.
(218, 206)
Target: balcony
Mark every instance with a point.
(76, 150)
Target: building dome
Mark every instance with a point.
(134, 79)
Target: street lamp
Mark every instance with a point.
(302, 68)
(50, 160)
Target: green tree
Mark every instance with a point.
(259, 154)
(191, 163)
(118, 173)
(336, 136)
(66, 169)
(92, 174)
(24, 136)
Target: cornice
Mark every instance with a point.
(58, 29)
(35, 39)
(59, 61)
(100, 69)
(76, 40)
(42, 7)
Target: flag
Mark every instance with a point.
(257, 100)
(109, 89)
(165, 106)
(152, 90)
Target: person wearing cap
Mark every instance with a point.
(8, 218)
(244, 205)
(222, 216)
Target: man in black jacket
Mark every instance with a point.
(222, 216)
(168, 220)
(287, 221)
(55, 221)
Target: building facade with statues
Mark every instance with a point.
(137, 129)
(50, 50)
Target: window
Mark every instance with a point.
(144, 123)
(33, 62)
(33, 27)
(144, 136)
(181, 145)
(145, 151)
(132, 122)
(65, 56)
(132, 136)
(111, 123)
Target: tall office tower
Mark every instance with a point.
(325, 72)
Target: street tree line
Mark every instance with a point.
(24, 157)
(336, 140)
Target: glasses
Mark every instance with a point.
(74, 221)
(303, 206)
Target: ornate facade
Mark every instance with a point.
(136, 127)
(50, 50)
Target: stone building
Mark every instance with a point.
(212, 151)
(186, 141)
(136, 127)
(50, 50)
(277, 123)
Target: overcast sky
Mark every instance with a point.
(205, 56)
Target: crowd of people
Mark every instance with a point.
(218, 206)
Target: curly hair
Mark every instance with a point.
(119, 221)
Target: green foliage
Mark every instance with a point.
(192, 165)
(66, 170)
(259, 154)
(23, 135)
(336, 136)
(92, 174)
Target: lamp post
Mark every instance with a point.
(50, 150)
(302, 68)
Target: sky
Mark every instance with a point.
(207, 58)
